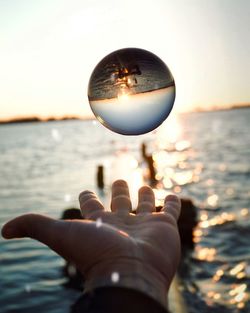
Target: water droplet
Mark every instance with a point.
(131, 91)
(98, 222)
(27, 288)
(67, 197)
(71, 270)
(248, 270)
(115, 277)
(55, 134)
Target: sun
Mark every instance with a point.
(123, 95)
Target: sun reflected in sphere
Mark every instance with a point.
(131, 91)
(123, 97)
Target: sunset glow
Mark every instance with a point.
(49, 49)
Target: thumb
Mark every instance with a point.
(42, 228)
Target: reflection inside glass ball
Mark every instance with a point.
(131, 91)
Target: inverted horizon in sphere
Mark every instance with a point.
(131, 91)
(132, 114)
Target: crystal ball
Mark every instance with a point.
(131, 91)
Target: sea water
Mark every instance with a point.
(204, 156)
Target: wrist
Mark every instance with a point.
(131, 274)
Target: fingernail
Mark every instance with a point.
(172, 198)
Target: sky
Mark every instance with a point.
(49, 48)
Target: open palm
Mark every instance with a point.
(145, 244)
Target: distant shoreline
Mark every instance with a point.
(71, 118)
(217, 109)
(40, 120)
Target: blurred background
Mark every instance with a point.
(201, 152)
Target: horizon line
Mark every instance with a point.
(51, 118)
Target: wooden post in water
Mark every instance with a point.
(100, 177)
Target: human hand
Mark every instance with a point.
(139, 251)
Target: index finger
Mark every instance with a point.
(90, 205)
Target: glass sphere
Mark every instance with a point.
(131, 91)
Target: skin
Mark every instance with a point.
(139, 251)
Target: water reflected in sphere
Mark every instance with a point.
(131, 91)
